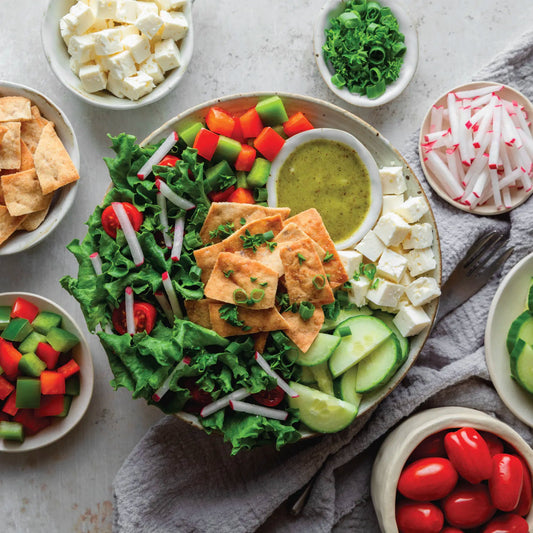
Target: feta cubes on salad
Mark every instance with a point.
(124, 46)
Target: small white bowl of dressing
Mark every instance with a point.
(332, 171)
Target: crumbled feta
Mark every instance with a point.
(391, 266)
(81, 48)
(420, 236)
(121, 65)
(413, 209)
(81, 18)
(167, 55)
(371, 246)
(105, 9)
(171, 5)
(137, 86)
(175, 25)
(392, 229)
(411, 320)
(66, 30)
(107, 42)
(147, 8)
(392, 180)
(75, 65)
(384, 293)
(391, 202)
(138, 45)
(153, 70)
(126, 11)
(93, 78)
(127, 30)
(351, 261)
(420, 261)
(422, 290)
(114, 86)
(358, 291)
(149, 23)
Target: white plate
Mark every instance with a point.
(508, 303)
(81, 353)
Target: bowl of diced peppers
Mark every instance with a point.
(46, 372)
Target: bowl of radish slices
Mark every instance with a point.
(476, 148)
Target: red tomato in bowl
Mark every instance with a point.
(450, 529)
(494, 443)
(110, 221)
(507, 523)
(432, 446)
(418, 517)
(269, 398)
(468, 506)
(505, 483)
(144, 315)
(524, 504)
(427, 479)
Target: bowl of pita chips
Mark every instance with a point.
(39, 162)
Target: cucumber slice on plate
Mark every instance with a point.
(404, 342)
(307, 376)
(321, 412)
(522, 364)
(323, 377)
(368, 332)
(377, 368)
(344, 387)
(344, 314)
(321, 349)
(521, 328)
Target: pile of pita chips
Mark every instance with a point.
(33, 165)
(247, 271)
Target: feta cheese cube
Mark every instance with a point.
(114, 86)
(392, 229)
(391, 202)
(149, 24)
(153, 70)
(411, 320)
(105, 9)
(137, 86)
(420, 236)
(422, 290)
(66, 30)
(371, 246)
(138, 45)
(171, 5)
(392, 180)
(384, 293)
(175, 25)
(107, 42)
(406, 279)
(120, 65)
(358, 291)
(392, 266)
(93, 78)
(167, 55)
(99, 25)
(413, 209)
(81, 48)
(351, 261)
(147, 8)
(420, 261)
(75, 65)
(84, 17)
(126, 11)
(127, 30)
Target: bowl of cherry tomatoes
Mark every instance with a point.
(450, 470)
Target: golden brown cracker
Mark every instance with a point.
(34, 220)
(10, 149)
(260, 340)
(22, 193)
(8, 224)
(198, 312)
(303, 332)
(14, 108)
(31, 129)
(3, 131)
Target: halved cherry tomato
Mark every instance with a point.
(494, 443)
(468, 506)
(524, 505)
(449, 529)
(110, 221)
(469, 454)
(418, 517)
(507, 523)
(432, 446)
(168, 161)
(144, 315)
(269, 398)
(505, 483)
(198, 396)
(427, 479)
(241, 196)
(221, 196)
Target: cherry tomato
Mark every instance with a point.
(418, 517)
(432, 446)
(449, 529)
(469, 454)
(468, 506)
(427, 479)
(524, 504)
(168, 161)
(110, 221)
(269, 398)
(505, 483)
(494, 443)
(198, 396)
(144, 315)
(221, 196)
(507, 523)
(242, 196)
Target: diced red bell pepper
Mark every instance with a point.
(242, 196)
(4, 417)
(51, 405)
(251, 123)
(296, 124)
(6, 388)
(245, 159)
(69, 369)
(220, 121)
(52, 382)
(10, 406)
(47, 354)
(237, 130)
(206, 143)
(32, 424)
(269, 143)
(9, 358)
(168, 161)
(221, 196)
(24, 309)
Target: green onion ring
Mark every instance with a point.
(237, 299)
(260, 295)
(318, 285)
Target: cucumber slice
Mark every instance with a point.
(404, 342)
(321, 412)
(377, 368)
(530, 296)
(522, 364)
(368, 332)
(345, 387)
(323, 377)
(307, 376)
(521, 328)
(321, 349)
(344, 314)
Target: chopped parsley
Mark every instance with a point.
(253, 280)
(243, 221)
(375, 284)
(230, 314)
(263, 284)
(228, 273)
(223, 231)
(327, 257)
(301, 258)
(255, 241)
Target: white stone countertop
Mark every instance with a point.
(240, 46)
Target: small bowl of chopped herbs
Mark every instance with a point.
(366, 51)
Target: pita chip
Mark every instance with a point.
(8, 224)
(260, 340)
(34, 220)
(303, 332)
(14, 108)
(3, 131)
(23, 194)
(198, 312)
(10, 149)
(26, 160)
(31, 129)
(52, 162)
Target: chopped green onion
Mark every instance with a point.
(253, 280)
(264, 283)
(243, 221)
(327, 257)
(240, 296)
(344, 331)
(228, 273)
(301, 258)
(268, 235)
(306, 310)
(257, 295)
(319, 282)
(375, 284)
(376, 55)
(369, 270)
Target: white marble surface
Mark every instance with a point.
(240, 46)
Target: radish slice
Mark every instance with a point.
(494, 150)
(161, 391)
(171, 294)
(129, 233)
(163, 217)
(436, 118)
(179, 232)
(163, 302)
(258, 410)
(473, 93)
(219, 404)
(130, 319)
(261, 361)
(156, 157)
(171, 196)
(444, 175)
(96, 262)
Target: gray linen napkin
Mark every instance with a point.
(179, 479)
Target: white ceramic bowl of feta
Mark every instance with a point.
(59, 58)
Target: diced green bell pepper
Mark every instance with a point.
(72, 385)
(213, 174)
(61, 339)
(5, 312)
(17, 330)
(227, 149)
(28, 393)
(31, 365)
(259, 173)
(188, 133)
(272, 111)
(11, 431)
(66, 408)
(29, 344)
(45, 321)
